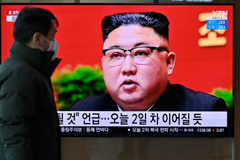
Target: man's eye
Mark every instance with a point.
(141, 53)
(117, 55)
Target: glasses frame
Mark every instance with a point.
(130, 50)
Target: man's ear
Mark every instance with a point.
(34, 43)
(171, 59)
(37, 38)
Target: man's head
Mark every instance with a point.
(136, 61)
(35, 27)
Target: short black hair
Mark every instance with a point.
(31, 20)
(157, 21)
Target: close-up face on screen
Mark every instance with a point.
(139, 70)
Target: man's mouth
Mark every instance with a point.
(128, 81)
(129, 84)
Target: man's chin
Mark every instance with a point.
(130, 98)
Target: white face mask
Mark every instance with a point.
(53, 46)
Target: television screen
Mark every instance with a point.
(98, 96)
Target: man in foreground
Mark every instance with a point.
(29, 128)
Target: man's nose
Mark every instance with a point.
(128, 66)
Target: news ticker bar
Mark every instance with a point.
(141, 119)
(141, 130)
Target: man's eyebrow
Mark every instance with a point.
(114, 46)
(135, 45)
(140, 44)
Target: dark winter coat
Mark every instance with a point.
(29, 128)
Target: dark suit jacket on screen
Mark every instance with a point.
(175, 98)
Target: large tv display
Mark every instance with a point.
(181, 87)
